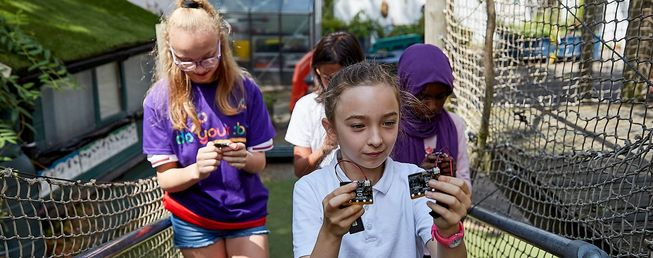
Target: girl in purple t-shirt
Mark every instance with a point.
(205, 130)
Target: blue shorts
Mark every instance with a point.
(187, 235)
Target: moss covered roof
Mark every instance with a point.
(78, 29)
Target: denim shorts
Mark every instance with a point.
(187, 235)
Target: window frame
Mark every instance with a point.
(99, 121)
(40, 123)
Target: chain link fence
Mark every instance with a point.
(569, 132)
(47, 217)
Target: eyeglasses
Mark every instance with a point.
(189, 66)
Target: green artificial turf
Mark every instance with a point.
(280, 217)
(482, 244)
(78, 29)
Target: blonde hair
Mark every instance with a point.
(199, 15)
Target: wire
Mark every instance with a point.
(335, 169)
(439, 158)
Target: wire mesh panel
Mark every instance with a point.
(45, 217)
(160, 245)
(571, 122)
(483, 240)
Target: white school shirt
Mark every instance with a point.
(395, 225)
(305, 127)
(462, 161)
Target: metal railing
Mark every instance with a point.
(127, 241)
(547, 241)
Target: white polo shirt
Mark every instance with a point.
(305, 127)
(395, 225)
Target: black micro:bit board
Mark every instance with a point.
(418, 182)
(363, 193)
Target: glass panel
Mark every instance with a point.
(295, 30)
(297, 6)
(290, 59)
(231, 6)
(137, 71)
(265, 24)
(267, 64)
(240, 38)
(266, 6)
(296, 44)
(68, 113)
(268, 78)
(295, 24)
(108, 87)
(266, 60)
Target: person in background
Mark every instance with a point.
(299, 85)
(312, 147)
(205, 131)
(431, 136)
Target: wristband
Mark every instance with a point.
(452, 241)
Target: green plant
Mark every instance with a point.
(363, 27)
(17, 98)
(417, 28)
(269, 98)
(330, 23)
(359, 26)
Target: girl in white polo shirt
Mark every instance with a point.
(362, 106)
(312, 148)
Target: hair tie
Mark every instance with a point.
(190, 4)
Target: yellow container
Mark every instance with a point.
(552, 59)
(241, 49)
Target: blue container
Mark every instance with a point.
(400, 42)
(533, 48)
(598, 49)
(569, 47)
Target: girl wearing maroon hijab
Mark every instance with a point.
(429, 131)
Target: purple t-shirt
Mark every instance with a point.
(227, 195)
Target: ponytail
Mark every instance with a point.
(197, 4)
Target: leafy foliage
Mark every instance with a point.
(15, 97)
(362, 27)
(330, 23)
(417, 28)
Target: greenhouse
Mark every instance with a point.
(269, 37)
